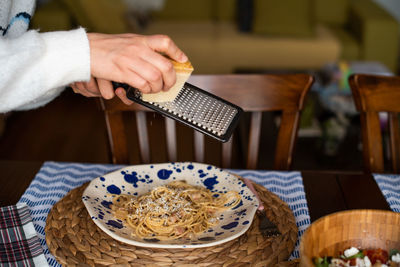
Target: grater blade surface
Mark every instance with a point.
(198, 109)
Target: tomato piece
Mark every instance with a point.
(353, 262)
(376, 255)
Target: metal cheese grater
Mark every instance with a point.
(196, 108)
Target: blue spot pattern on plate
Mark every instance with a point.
(241, 213)
(238, 205)
(114, 224)
(207, 238)
(101, 215)
(113, 189)
(132, 178)
(229, 225)
(106, 204)
(202, 174)
(164, 174)
(210, 182)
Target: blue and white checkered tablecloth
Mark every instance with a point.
(55, 180)
(390, 187)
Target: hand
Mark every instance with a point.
(135, 60)
(99, 87)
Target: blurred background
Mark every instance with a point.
(330, 39)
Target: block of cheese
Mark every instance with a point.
(183, 71)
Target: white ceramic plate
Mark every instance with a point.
(140, 179)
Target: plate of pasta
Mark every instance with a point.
(171, 205)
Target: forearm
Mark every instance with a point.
(34, 65)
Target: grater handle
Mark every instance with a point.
(123, 85)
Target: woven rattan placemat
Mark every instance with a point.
(75, 240)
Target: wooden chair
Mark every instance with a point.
(254, 93)
(373, 94)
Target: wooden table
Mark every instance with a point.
(326, 191)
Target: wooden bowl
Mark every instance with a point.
(332, 234)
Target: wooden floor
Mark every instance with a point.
(72, 129)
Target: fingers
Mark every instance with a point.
(136, 81)
(165, 67)
(106, 89)
(73, 86)
(85, 89)
(164, 44)
(99, 87)
(149, 73)
(120, 92)
(92, 86)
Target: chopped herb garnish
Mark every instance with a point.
(393, 252)
(358, 255)
(322, 262)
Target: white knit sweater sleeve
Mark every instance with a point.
(36, 67)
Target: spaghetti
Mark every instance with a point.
(173, 211)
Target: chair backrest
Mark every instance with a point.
(373, 94)
(254, 93)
